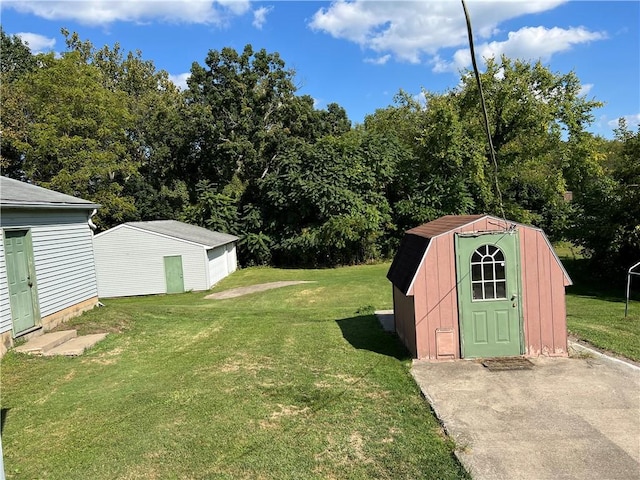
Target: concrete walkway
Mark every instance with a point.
(261, 287)
(62, 342)
(567, 418)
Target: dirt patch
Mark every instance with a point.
(261, 287)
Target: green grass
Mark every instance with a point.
(595, 309)
(601, 322)
(299, 382)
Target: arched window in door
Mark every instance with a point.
(488, 281)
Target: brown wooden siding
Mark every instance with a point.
(437, 303)
(404, 320)
(543, 299)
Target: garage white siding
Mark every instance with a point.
(232, 258)
(130, 262)
(63, 258)
(218, 264)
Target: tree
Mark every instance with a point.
(237, 103)
(536, 119)
(531, 111)
(77, 134)
(325, 204)
(15, 57)
(156, 137)
(16, 60)
(607, 223)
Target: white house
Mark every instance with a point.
(47, 270)
(162, 256)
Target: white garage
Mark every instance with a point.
(162, 256)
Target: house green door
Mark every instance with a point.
(21, 278)
(173, 274)
(488, 294)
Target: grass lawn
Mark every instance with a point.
(299, 382)
(595, 310)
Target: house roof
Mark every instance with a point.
(415, 244)
(17, 194)
(185, 231)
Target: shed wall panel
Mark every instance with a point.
(544, 293)
(558, 302)
(528, 297)
(404, 319)
(544, 297)
(436, 305)
(218, 264)
(232, 257)
(131, 262)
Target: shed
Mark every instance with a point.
(472, 286)
(161, 256)
(47, 270)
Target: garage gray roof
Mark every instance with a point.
(17, 194)
(185, 231)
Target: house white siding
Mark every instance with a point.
(5, 307)
(130, 262)
(63, 258)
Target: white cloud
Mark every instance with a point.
(99, 12)
(409, 30)
(37, 43)
(528, 43)
(379, 60)
(180, 80)
(420, 98)
(260, 16)
(633, 121)
(585, 89)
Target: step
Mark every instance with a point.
(76, 346)
(386, 319)
(45, 342)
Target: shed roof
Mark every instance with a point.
(184, 231)
(415, 244)
(443, 225)
(17, 194)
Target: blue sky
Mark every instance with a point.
(360, 53)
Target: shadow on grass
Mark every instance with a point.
(365, 333)
(588, 282)
(3, 418)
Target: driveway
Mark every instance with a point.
(566, 418)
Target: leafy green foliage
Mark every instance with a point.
(239, 151)
(607, 223)
(326, 200)
(77, 134)
(15, 57)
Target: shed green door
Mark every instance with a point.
(21, 278)
(173, 274)
(488, 298)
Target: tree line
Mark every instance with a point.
(240, 151)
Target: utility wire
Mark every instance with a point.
(492, 152)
